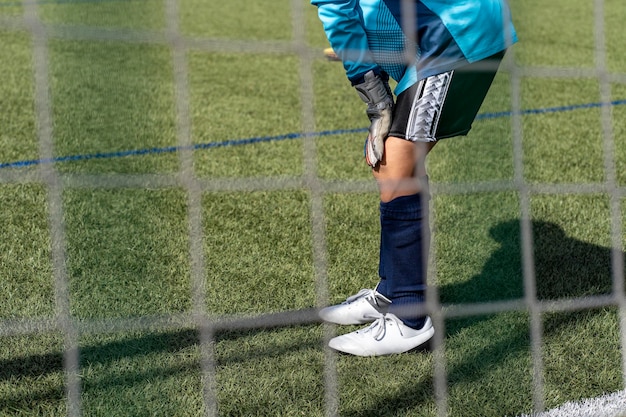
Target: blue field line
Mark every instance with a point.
(262, 139)
(557, 109)
(173, 149)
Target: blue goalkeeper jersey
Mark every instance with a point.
(367, 35)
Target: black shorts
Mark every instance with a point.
(443, 105)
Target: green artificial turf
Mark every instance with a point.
(127, 249)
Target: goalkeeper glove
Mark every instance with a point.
(375, 92)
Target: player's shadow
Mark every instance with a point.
(565, 267)
(133, 347)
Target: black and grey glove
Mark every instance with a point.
(375, 92)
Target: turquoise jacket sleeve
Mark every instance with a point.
(344, 29)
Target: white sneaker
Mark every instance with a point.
(386, 336)
(360, 308)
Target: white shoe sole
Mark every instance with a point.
(396, 338)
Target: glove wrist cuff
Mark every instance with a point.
(374, 90)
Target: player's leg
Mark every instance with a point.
(401, 179)
(403, 254)
(404, 229)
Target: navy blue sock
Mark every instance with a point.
(402, 266)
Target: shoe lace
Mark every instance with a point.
(379, 326)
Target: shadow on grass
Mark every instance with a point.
(565, 268)
(164, 342)
(22, 369)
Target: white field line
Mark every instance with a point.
(609, 405)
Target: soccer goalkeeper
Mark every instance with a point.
(443, 67)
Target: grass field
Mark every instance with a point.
(126, 217)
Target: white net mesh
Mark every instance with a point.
(26, 18)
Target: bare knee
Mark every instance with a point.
(402, 167)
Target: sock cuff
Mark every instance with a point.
(407, 207)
